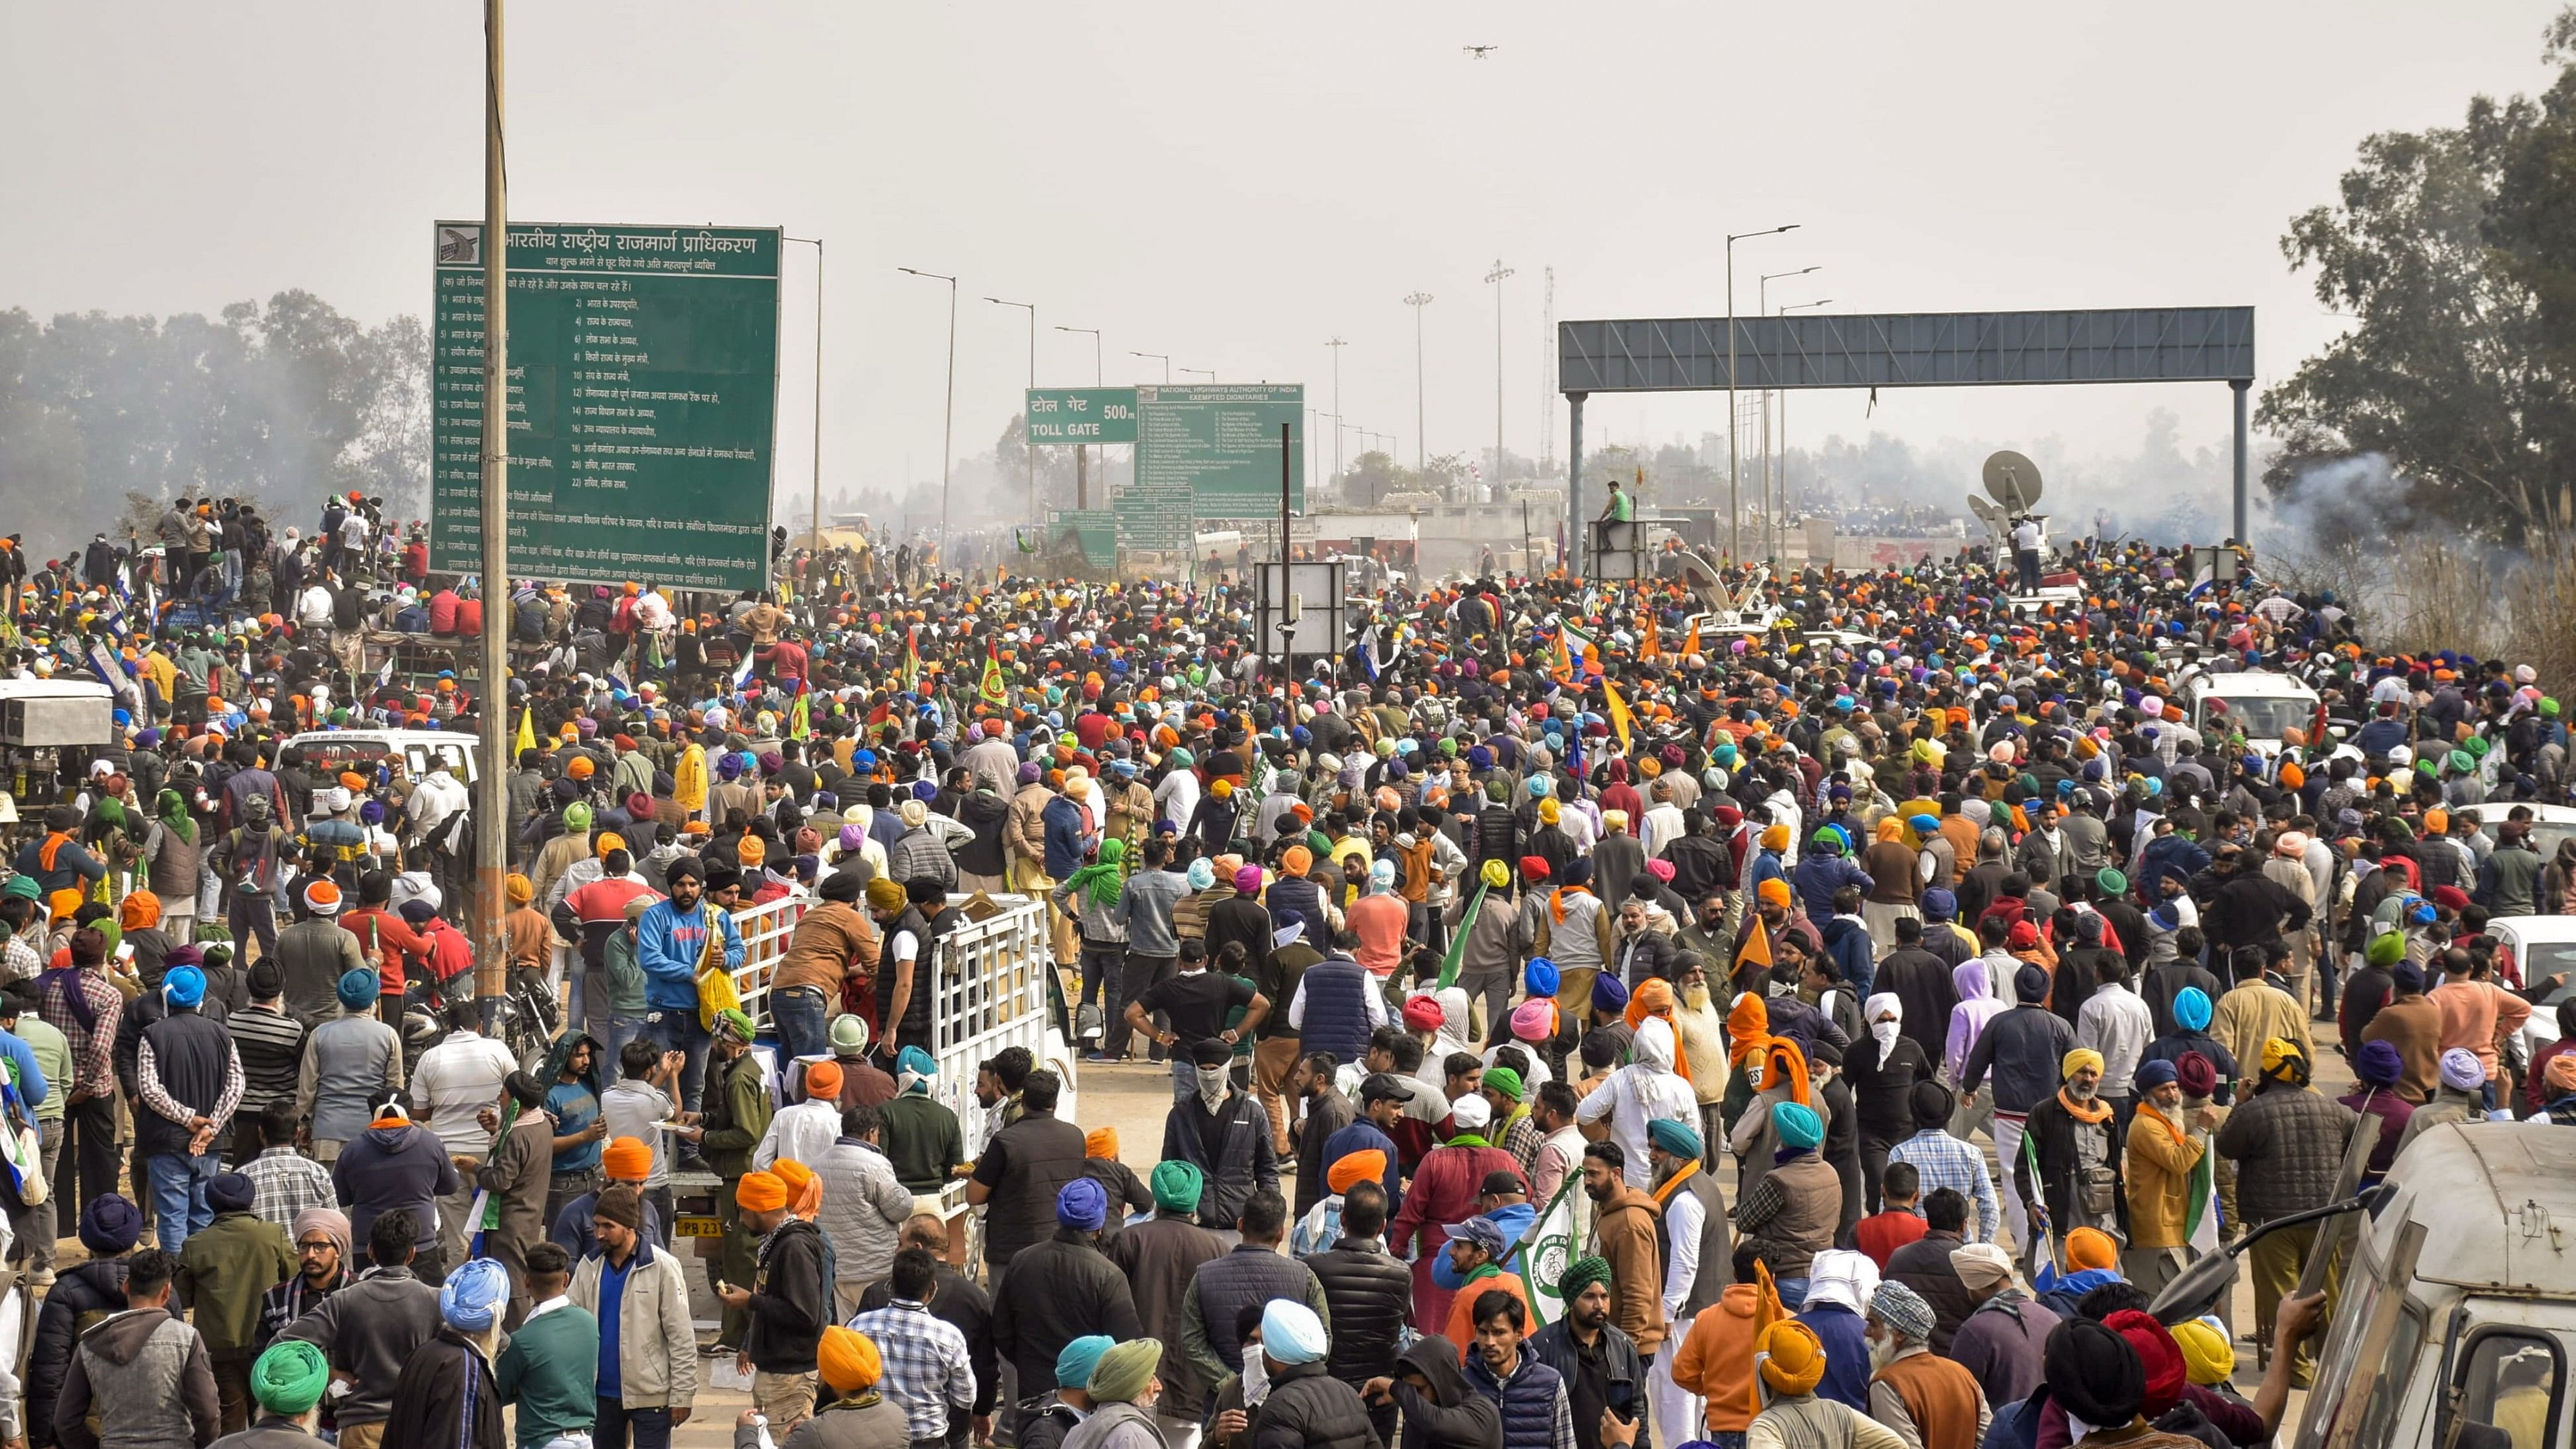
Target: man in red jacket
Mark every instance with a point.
(1445, 1189)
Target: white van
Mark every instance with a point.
(361, 750)
(2458, 1302)
(2255, 703)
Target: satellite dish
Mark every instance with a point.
(1987, 513)
(2013, 481)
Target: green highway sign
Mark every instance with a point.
(1221, 442)
(1082, 414)
(643, 402)
(1095, 530)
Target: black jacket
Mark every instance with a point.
(1554, 1346)
(2052, 1139)
(81, 1297)
(2021, 1047)
(1308, 1408)
(1053, 1293)
(1242, 1162)
(1453, 1415)
(793, 1304)
(1924, 1266)
(1370, 1293)
(191, 1057)
(961, 1305)
(443, 1382)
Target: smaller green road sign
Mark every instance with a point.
(1082, 414)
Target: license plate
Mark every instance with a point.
(697, 1227)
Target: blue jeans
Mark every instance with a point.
(802, 1017)
(179, 1195)
(677, 1029)
(623, 1027)
(1793, 1293)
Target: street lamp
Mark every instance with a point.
(1417, 301)
(1162, 358)
(1095, 348)
(1734, 501)
(1207, 372)
(1337, 345)
(1762, 308)
(817, 244)
(1027, 444)
(948, 423)
(1496, 277)
(1780, 519)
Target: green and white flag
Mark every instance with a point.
(2200, 1222)
(1449, 965)
(1550, 1246)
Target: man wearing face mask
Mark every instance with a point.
(1881, 1071)
(1224, 1134)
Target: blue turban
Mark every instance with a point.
(1608, 994)
(917, 1068)
(1291, 1333)
(1924, 824)
(472, 1297)
(1797, 1125)
(2030, 985)
(109, 1225)
(1674, 1138)
(1074, 1363)
(2152, 1075)
(1201, 875)
(2191, 1008)
(184, 986)
(1084, 1204)
(357, 988)
(1939, 904)
(1542, 976)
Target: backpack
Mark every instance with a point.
(340, 840)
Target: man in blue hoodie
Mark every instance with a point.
(670, 940)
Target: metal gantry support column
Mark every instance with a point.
(2241, 387)
(1573, 485)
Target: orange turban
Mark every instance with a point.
(1295, 859)
(1654, 998)
(750, 851)
(2091, 1248)
(822, 1081)
(1774, 892)
(849, 1360)
(1748, 1026)
(1101, 1142)
(1779, 1055)
(760, 1192)
(805, 1190)
(626, 1158)
(1355, 1167)
(141, 911)
(63, 903)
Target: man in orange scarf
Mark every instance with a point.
(2079, 1159)
(58, 862)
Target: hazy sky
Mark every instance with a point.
(1233, 184)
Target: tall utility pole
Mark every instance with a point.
(1337, 345)
(948, 422)
(1547, 382)
(817, 244)
(1734, 498)
(1207, 372)
(1161, 357)
(491, 787)
(1082, 451)
(1030, 447)
(1417, 301)
(1496, 277)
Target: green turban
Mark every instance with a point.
(2111, 883)
(1505, 1081)
(2387, 949)
(289, 1378)
(1124, 1372)
(1580, 1274)
(1177, 1186)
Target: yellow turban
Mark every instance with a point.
(1353, 1168)
(2077, 1060)
(760, 1192)
(1791, 1357)
(750, 851)
(2206, 1354)
(1549, 811)
(1775, 837)
(521, 889)
(1100, 1142)
(2278, 1053)
(608, 840)
(849, 1360)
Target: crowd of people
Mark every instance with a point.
(1580, 1023)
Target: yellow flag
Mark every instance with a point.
(1619, 717)
(527, 739)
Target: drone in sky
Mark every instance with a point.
(1480, 51)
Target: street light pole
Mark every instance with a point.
(1734, 497)
(491, 813)
(1762, 308)
(1496, 277)
(1027, 444)
(817, 244)
(1082, 451)
(1207, 372)
(948, 423)
(1162, 358)
(1417, 301)
(1780, 519)
(1337, 345)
